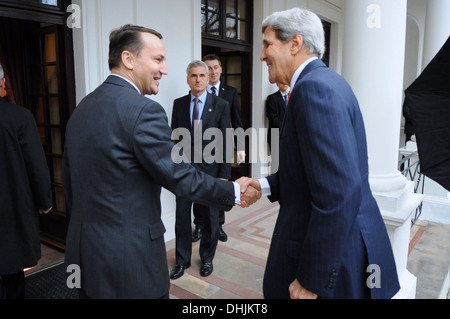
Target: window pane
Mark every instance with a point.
(57, 170)
(47, 2)
(204, 15)
(54, 111)
(40, 112)
(51, 77)
(214, 5)
(56, 142)
(60, 200)
(242, 31)
(235, 81)
(242, 9)
(231, 28)
(50, 47)
(231, 8)
(234, 65)
(213, 24)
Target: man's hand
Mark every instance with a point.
(250, 191)
(251, 196)
(45, 211)
(240, 157)
(298, 292)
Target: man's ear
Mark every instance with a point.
(128, 59)
(296, 44)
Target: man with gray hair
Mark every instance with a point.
(198, 112)
(329, 240)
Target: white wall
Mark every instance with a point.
(179, 21)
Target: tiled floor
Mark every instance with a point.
(239, 263)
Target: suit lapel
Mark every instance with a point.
(186, 112)
(310, 67)
(208, 110)
(222, 91)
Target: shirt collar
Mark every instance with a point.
(123, 78)
(202, 98)
(300, 70)
(217, 86)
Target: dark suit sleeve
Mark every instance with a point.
(174, 122)
(330, 159)
(225, 166)
(36, 164)
(236, 120)
(235, 114)
(272, 112)
(153, 147)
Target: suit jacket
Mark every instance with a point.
(117, 156)
(329, 227)
(216, 114)
(230, 94)
(275, 110)
(24, 188)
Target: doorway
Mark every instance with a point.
(227, 32)
(36, 51)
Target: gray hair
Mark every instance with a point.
(196, 63)
(2, 73)
(289, 23)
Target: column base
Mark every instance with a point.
(397, 208)
(408, 284)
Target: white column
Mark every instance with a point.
(437, 28)
(374, 52)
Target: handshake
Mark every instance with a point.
(250, 191)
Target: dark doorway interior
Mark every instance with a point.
(37, 55)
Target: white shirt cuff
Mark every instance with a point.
(265, 187)
(237, 193)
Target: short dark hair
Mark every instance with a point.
(126, 38)
(212, 57)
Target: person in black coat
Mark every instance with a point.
(275, 110)
(25, 191)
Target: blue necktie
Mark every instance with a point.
(214, 90)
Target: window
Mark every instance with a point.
(46, 2)
(227, 19)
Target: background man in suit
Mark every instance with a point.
(275, 110)
(230, 94)
(213, 112)
(329, 228)
(25, 191)
(117, 156)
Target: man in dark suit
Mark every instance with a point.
(25, 191)
(118, 154)
(230, 94)
(212, 113)
(329, 233)
(275, 110)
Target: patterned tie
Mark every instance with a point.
(214, 90)
(195, 115)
